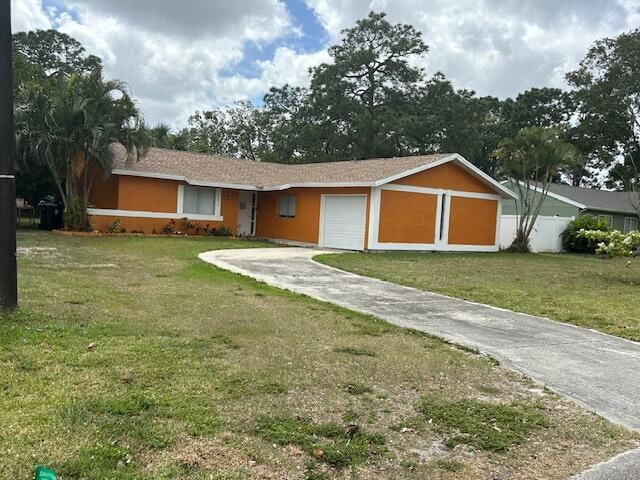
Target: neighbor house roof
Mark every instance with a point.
(593, 199)
(219, 171)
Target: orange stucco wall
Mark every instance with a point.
(472, 221)
(120, 192)
(147, 194)
(146, 225)
(305, 226)
(448, 176)
(407, 217)
(104, 190)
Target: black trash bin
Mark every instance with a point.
(51, 214)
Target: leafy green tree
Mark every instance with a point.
(531, 160)
(236, 131)
(359, 98)
(458, 121)
(288, 125)
(607, 94)
(56, 53)
(40, 59)
(537, 107)
(71, 130)
(245, 133)
(162, 137)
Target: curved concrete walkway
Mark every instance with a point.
(599, 371)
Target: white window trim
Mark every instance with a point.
(607, 218)
(439, 244)
(216, 217)
(637, 223)
(295, 204)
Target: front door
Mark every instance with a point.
(247, 203)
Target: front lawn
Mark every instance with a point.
(130, 358)
(580, 289)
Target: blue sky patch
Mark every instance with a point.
(311, 37)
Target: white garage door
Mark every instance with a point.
(342, 222)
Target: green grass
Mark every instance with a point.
(327, 442)
(194, 373)
(579, 289)
(484, 425)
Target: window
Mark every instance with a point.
(630, 224)
(287, 206)
(201, 201)
(607, 219)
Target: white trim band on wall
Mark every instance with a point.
(440, 191)
(103, 212)
(7, 177)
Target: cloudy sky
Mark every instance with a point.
(179, 56)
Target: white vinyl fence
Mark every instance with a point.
(545, 236)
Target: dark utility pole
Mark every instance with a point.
(8, 271)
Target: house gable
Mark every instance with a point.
(446, 176)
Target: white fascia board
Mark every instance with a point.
(556, 196)
(286, 186)
(238, 186)
(180, 178)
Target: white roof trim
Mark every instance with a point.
(180, 178)
(237, 186)
(454, 157)
(556, 196)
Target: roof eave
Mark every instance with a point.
(611, 210)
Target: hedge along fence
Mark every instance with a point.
(573, 241)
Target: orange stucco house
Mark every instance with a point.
(427, 202)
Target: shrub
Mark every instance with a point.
(614, 244)
(169, 227)
(115, 227)
(572, 241)
(221, 231)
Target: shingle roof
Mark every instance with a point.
(598, 199)
(226, 171)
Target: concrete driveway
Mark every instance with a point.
(597, 370)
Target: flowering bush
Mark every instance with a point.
(615, 243)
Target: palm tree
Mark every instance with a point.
(72, 129)
(532, 160)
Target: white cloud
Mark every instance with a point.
(496, 48)
(182, 56)
(174, 55)
(28, 15)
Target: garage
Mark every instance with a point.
(343, 221)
